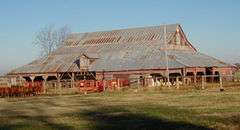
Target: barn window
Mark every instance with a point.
(84, 62)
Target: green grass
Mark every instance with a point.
(237, 74)
(130, 109)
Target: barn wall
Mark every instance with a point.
(224, 71)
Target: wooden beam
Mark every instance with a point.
(73, 80)
(59, 83)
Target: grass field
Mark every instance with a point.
(143, 109)
(237, 74)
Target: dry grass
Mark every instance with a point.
(151, 108)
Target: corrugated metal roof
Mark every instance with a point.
(133, 49)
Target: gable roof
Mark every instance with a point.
(118, 50)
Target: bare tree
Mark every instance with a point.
(49, 38)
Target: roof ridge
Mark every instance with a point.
(127, 28)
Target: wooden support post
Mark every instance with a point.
(144, 81)
(20, 80)
(195, 78)
(212, 77)
(73, 80)
(84, 76)
(44, 83)
(184, 77)
(32, 79)
(59, 83)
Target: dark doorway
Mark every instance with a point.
(199, 76)
(157, 76)
(38, 79)
(216, 76)
(190, 77)
(28, 79)
(209, 71)
(173, 77)
(52, 78)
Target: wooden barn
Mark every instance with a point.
(157, 51)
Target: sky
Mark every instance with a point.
(212, 26)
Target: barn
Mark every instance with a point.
(155, 51)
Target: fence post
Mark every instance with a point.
(195, 79)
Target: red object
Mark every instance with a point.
(27, 90)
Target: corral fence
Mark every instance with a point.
(198, 82)
(90, 86)
(85, 86)
(62, 87)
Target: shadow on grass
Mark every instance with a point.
(98, 117)
(116, 118)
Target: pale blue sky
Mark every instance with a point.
(211, 25)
